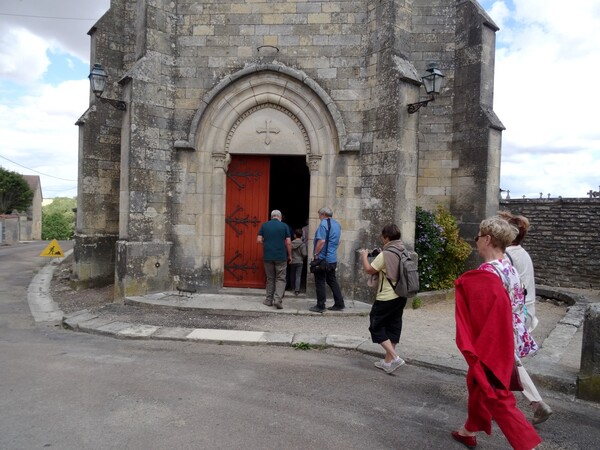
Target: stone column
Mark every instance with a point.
(588, 381)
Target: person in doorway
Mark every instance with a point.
(386, 313)
(490, 333)
(288, 270)
(327, 239)
(305, 232)
(298, 254)
(521, 261)
(277, 253)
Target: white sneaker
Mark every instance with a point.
(391, 366)
(394, 365)
(541, 414)
(380, 364)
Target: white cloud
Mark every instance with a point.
(499, 12)
(63, 23)
(40, 133)
(548, 55)
(545, 91)
(38, 120)
(23, 56)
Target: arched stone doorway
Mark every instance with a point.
(263, 113)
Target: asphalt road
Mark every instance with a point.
(68, 390)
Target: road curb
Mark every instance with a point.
(42, 306)
(93, 323)
(542, 367)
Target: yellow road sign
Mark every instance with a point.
(53, 250)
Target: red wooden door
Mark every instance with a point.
(247, 207)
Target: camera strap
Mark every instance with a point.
(327, 238)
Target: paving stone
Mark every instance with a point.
(311, 339)
(114, 327)
(278, 338)
(73, 320)
(175, 333)
(230, 336)
(138, 331)
(370, 348)
(94, 324)
(340, 341)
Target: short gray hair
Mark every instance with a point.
(500, 231)
(326, 211)
(275, 213)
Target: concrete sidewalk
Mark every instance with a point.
(427, 336)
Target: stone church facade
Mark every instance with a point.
(235, 108)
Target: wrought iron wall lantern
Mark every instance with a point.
(433, 82)
(98, 79)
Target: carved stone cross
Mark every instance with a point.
(267, 130)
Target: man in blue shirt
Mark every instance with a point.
(275, 237)
(327, 239)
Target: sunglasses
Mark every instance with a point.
(480, 236)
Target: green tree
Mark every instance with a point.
(56, 226)
(61, 205)
(15, 193)
(58, 219)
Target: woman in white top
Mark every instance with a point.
(521, 261)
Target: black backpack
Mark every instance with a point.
(408, 277)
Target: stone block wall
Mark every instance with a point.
(325, 40)
(434, 26)
(588, 381)
(361, 60)
(100, 128)
(11, 226)
(563, 241)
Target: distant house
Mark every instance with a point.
(27, 225)
(33, 227)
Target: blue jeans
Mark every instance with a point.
(328, 277)
(296, 276)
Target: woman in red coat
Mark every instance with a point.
(485, 337)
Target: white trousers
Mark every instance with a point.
(530, 392)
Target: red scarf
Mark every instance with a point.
(484, 329)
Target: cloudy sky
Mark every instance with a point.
(547, 58)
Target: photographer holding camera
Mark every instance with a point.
(386, 314)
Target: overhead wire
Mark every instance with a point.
(46, 17)
(36, 171)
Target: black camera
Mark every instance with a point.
(373, 253)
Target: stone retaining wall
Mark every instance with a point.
(563, 241)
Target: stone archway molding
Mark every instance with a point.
(345, 143)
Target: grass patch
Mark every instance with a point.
(302, 346)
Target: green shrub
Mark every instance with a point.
(451, 262)
(429, 243)
(58, 219)
(442, 252)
